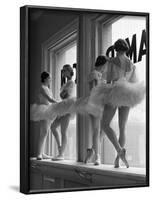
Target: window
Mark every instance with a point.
(66, 55)
(57, 51)
(133, 30)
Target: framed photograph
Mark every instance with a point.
(84, 99)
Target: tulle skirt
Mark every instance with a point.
(71, 106)
(85, 107)
(40, 112)
(121, 93)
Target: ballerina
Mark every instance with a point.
(67, 91)
(95, 78)
(122, 92)
(45, 100)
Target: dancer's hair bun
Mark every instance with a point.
(69, 68)
(101, 60)
(121, 45)
(44, 76)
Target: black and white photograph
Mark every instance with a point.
(84, 99)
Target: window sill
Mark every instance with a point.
(131, 173)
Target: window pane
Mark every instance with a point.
(131, 28)
(66, 55)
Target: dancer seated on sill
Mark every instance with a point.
(67, 91)
(102, 94)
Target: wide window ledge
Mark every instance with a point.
(131, 173)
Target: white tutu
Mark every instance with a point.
(68, 106)
(82, 106)
(121, 93)
(40, 112)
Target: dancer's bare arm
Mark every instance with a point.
(130, 73)
(92, 80)
(44, 93)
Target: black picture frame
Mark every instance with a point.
(25, 96)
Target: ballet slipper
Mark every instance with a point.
(90, 153)
(60, 150)
(97, 160)
(58, 158)
(116, 163)
(45, 156)
(122, 155)
(39, 157)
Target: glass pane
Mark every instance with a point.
(66, 55)
(130, 28)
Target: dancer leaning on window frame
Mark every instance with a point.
(67, 91)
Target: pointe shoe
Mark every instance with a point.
(116, 163)
(45, 156)
(59, 150)
(58, 158)
(90, 153)
(122, 154)
(39, 157)
(97, 160)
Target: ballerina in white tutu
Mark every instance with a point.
(122, 91)
(95, 78)
(45, 100)
(66, 92)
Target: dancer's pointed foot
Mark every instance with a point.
(116, 163)
(90, 153)
(58, 158)
(45, 156)
(39, 157)
(60, 150)
(122, 155)
(97, 160)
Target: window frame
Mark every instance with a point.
(55, 70)
(62, 39)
